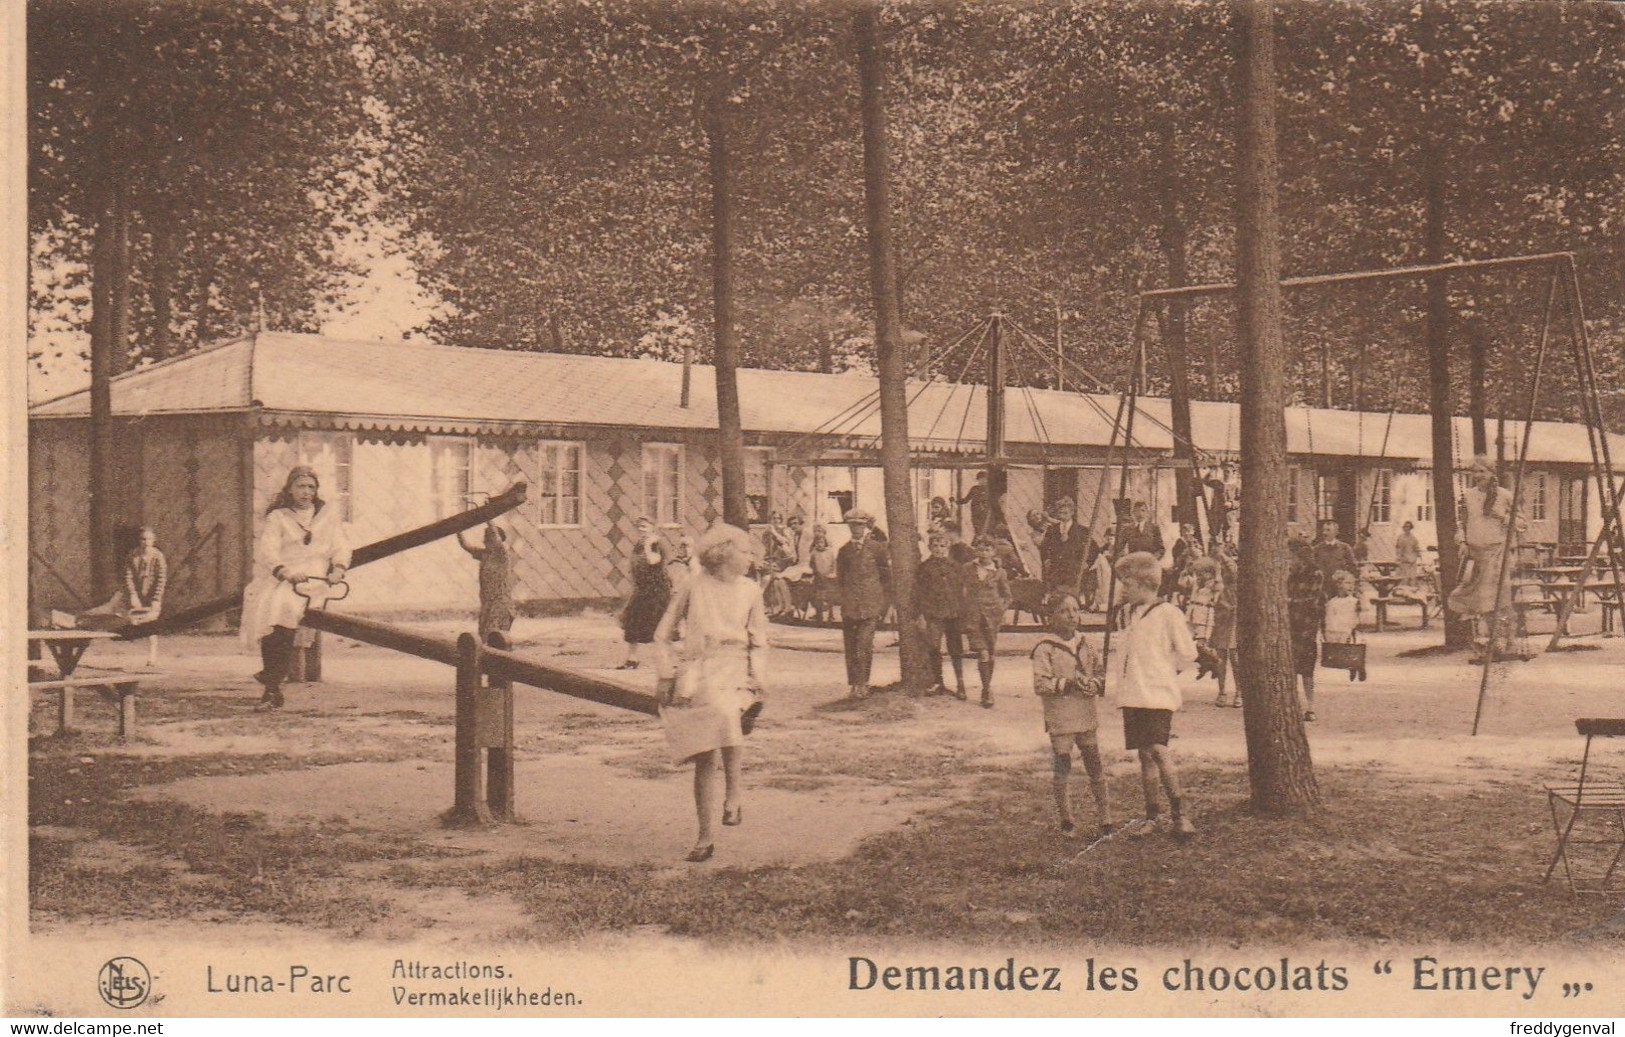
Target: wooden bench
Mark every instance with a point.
(1382, 605)
(115, 686)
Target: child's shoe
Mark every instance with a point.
(987, 698)
(1222, 701)
(1145, 827)
(1183, 828)
(1068, 829)
(961, 694)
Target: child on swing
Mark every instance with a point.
(1345, 611)
(1202, 586)
(1068, 676)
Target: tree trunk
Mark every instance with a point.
(202, 324)
(1476, 347)
(730, 430)
(891, 363)
(1171, 318)
(1279, 768)
(118, 330)
(555, 334)
(1436, 331)
(102, 477)
(161, 289)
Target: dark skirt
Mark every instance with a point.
(651, 593)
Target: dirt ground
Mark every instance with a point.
(366, 756)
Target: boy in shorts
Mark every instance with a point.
(1068, 676)
(1154, 643)
(986, 599)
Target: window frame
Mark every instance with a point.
(446, 507)
(1382, 498)
(1539, 499)
(343, 493)
(654, 513)
(554, 473)
(1294, 491)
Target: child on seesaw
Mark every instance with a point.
(1068, 676)
(1153, 645)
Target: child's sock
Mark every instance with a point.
(1176, 806)
(1103, 801)
(1063, 801)
(984, 669)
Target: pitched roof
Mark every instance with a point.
(413, 386)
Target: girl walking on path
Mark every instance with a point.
(711, 692)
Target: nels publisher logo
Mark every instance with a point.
(124, 983)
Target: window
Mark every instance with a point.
(450, 468)
(559, 491)
(329, 453)
(1424, 510)
(1325, 498)
(1293, 480)
(1382, 496)
(663, 482)
(1537, 497)
(759, 483)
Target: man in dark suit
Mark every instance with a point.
(863, 574)
(1142, 534)
(1065, 550)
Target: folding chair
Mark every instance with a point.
(1588, 796)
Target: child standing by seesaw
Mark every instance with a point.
(1154, 644)
(1068, 676)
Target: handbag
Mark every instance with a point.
(1343, 655)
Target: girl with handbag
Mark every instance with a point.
(712, 693)
(1345, 610)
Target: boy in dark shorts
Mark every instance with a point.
(1153, 644)
(987, 598)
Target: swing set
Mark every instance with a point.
(1563, 289)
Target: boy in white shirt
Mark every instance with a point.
(1154, 644)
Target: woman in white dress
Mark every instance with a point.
(711, 691)
(302, 539)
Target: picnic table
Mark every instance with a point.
(1384, 584)
(67, 648)
(1381, 568)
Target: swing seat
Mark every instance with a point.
(1589, 813)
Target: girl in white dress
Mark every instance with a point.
(712, 693)
(302, 539)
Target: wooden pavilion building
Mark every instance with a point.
(402, 433)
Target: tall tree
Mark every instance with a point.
(135, 108)
(1278, 764)
(895, 456)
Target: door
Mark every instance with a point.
(1571, 515)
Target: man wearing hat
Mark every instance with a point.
(863, 575)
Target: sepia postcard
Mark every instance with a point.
(588, 508)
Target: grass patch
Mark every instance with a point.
(190, 862)
(1385, 862)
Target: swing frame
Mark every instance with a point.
(1565, 282)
